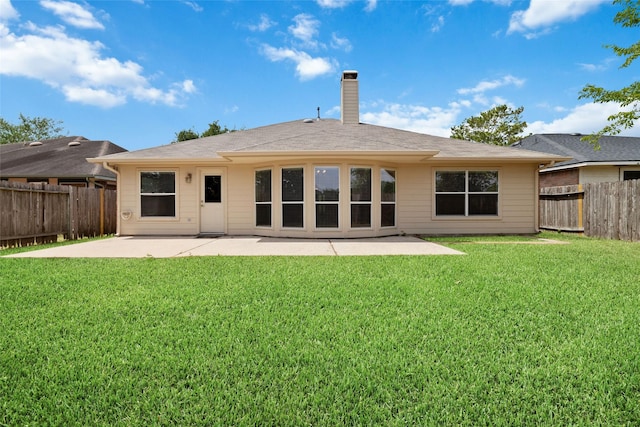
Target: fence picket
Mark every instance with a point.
(38, 213)
(610, 210)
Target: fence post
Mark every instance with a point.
(102, 212)
(580, 207)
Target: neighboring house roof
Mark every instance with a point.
(61, 157)
(326, 138)
(614, 150)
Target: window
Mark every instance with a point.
(263, 198)
(293, 197)
(158, 194)
(466, 193)
(387, 198)
(327, 198)
(628, 175)
(360, 197)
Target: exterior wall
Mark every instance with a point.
(599, 174)
(415, 200)
(604, 173)
(561, 177)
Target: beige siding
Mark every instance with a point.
(414, 202)
(599, 174)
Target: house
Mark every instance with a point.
(319, 178)
(61, 161)
(617, 160)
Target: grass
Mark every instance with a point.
(506, 335)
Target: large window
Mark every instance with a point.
(466, 193)
(157, 194)
(263, 198)
(387, 198)
(360, 197)
(293, 197)
(327, 196)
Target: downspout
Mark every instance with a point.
(115, 171)
(537, 199)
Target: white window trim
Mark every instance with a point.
(176, 217)
(395, 198)
(370, 202)
(255, 218)
(297, 202)
(338, 202)
(466, 216)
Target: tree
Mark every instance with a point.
(214, 129)
(29, 129)
(627, 96)
(186, 134)
(500, 125)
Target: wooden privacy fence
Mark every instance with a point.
(39, 213)
(609, 210)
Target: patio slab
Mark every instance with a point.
(169, 247)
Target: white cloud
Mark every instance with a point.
(371, 5)
(543, 14)
(73, 14)
(78, 69)
(193, 5)
(438, 24)
(586, 119)
(264, 24)
(7, 11)
(486, 85)
(307, 67)
(305, 28)
(333, 4)
(416, 118)
(340, 43)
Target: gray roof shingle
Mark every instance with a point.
(324, 136)
(56, 158)
(612, 148)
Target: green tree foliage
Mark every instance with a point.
(628, 96)
(213, 129)
(29, 129)
(500, 125)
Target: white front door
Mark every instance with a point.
(212, 201)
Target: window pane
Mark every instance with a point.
(361, 215)
(263, 186)
(628, 175)
(327, 216)
(263, 215)
(327, 184)
(212, 193)
(292, 185)
(157, 182)
(450, 182)
(388, 185)
(450, 204)
(483, 204)
(292, 215)
(360, 184)
(483, 181)
(158, 205)
(388, 215)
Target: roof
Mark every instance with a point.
(56, 158)
(613, 149)
(325, 138)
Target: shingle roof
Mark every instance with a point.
(612, 148)
(327, 136)
(56, 158)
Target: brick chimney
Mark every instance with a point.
(349, 101)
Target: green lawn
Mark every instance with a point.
(509, 334)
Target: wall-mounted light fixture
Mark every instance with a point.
(188, 178)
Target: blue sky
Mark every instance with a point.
(135, 72)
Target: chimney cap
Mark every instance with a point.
(350, 75)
